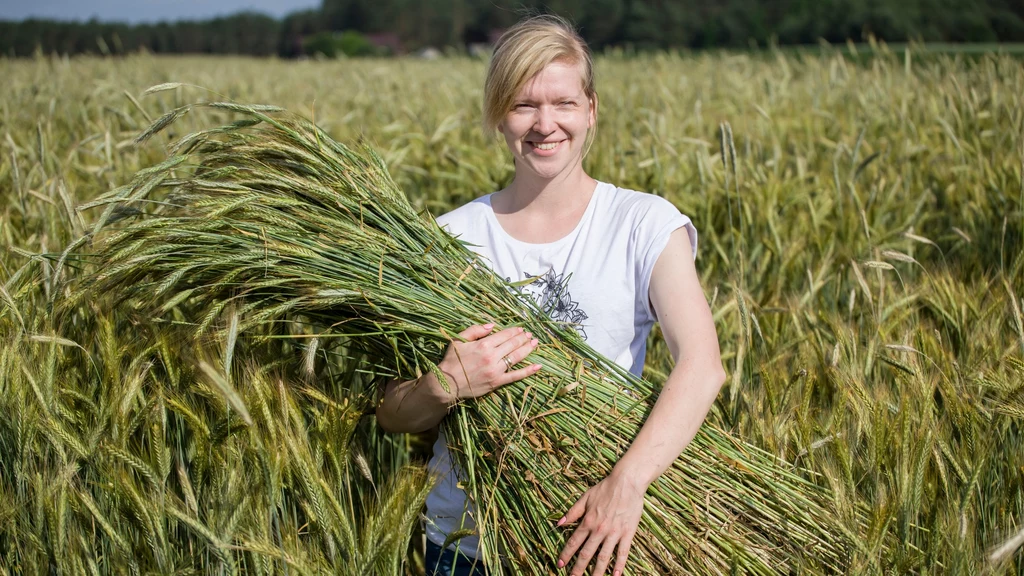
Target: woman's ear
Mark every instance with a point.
(592, 119)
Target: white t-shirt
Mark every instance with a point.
(596, 277)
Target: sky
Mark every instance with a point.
(136, 11)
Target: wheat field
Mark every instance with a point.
(861, 224)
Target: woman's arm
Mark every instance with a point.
(473, 368)
(611, 509)
(697, 377)
(413, 405)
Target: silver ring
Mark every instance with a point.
(508, 363)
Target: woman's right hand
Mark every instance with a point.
(483, 362)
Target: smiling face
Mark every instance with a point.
(546, 130)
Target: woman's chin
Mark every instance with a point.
(544, 169)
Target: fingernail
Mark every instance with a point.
(489, 325)
(535, 342)
(617, 573)
(560, 522)
(537, 367)
(560, 563)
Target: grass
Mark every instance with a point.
(861, 240)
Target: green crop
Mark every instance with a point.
(861, 229)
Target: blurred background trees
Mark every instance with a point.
(362, 27)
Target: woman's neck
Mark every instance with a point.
(551, 197)
(542, 212)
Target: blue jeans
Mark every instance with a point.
(447, 563)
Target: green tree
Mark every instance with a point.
(601, 21)
(294, 28)
(641, 25)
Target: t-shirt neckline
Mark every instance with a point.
(572, 234)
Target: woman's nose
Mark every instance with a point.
(545, 120)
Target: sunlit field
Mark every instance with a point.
(861, 225)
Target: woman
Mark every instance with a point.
(609, 260)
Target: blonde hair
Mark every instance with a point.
(523, 51)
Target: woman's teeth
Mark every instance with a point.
(546, 145)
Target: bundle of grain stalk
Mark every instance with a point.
(272, 219)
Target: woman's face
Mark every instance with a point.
(546, 129)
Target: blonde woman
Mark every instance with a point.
(610, 261)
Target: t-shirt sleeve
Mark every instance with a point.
(466, 220)
(445, 221)
(660, 219)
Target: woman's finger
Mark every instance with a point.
(518, 374)
(476, 332)
(493, 340)
(604, 556)
(519, 354)
(586, 553)
(502, 346)
(623, 553)
(579, 536)
(576, 511)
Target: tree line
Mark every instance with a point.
(408, 25)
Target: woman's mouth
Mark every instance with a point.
(545, 148)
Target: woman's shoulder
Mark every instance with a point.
(624, 202)
(650, 218)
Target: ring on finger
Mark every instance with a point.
(508, 363)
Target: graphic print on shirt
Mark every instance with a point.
(551, 291)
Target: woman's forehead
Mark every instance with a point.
(557, 78)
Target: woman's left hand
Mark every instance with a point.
(610, 513)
